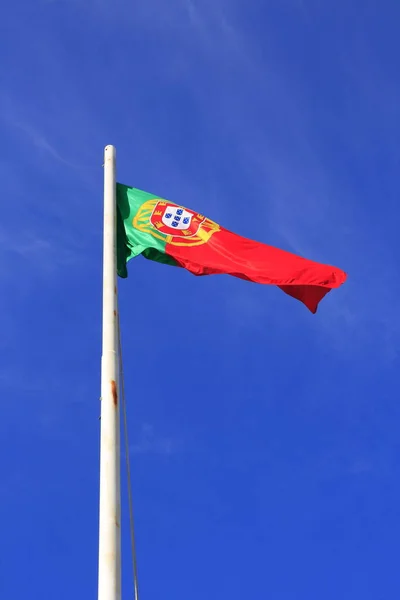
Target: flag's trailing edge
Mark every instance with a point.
(166, 232)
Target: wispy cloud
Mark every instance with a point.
(43, 253)
(40, 141)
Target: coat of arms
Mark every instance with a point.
(175, 220)
(174, 224)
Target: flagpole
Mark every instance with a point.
(109, 581)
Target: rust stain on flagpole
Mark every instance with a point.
(114, 392)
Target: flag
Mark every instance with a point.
(169, 233)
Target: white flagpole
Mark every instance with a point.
(110, 502)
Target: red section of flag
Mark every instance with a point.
(228, 253)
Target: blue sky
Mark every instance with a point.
(264, 440)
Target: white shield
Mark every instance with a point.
(177, 217)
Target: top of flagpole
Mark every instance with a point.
(110, 152)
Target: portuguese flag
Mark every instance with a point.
(168, 233)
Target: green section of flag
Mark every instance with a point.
(132, 241)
